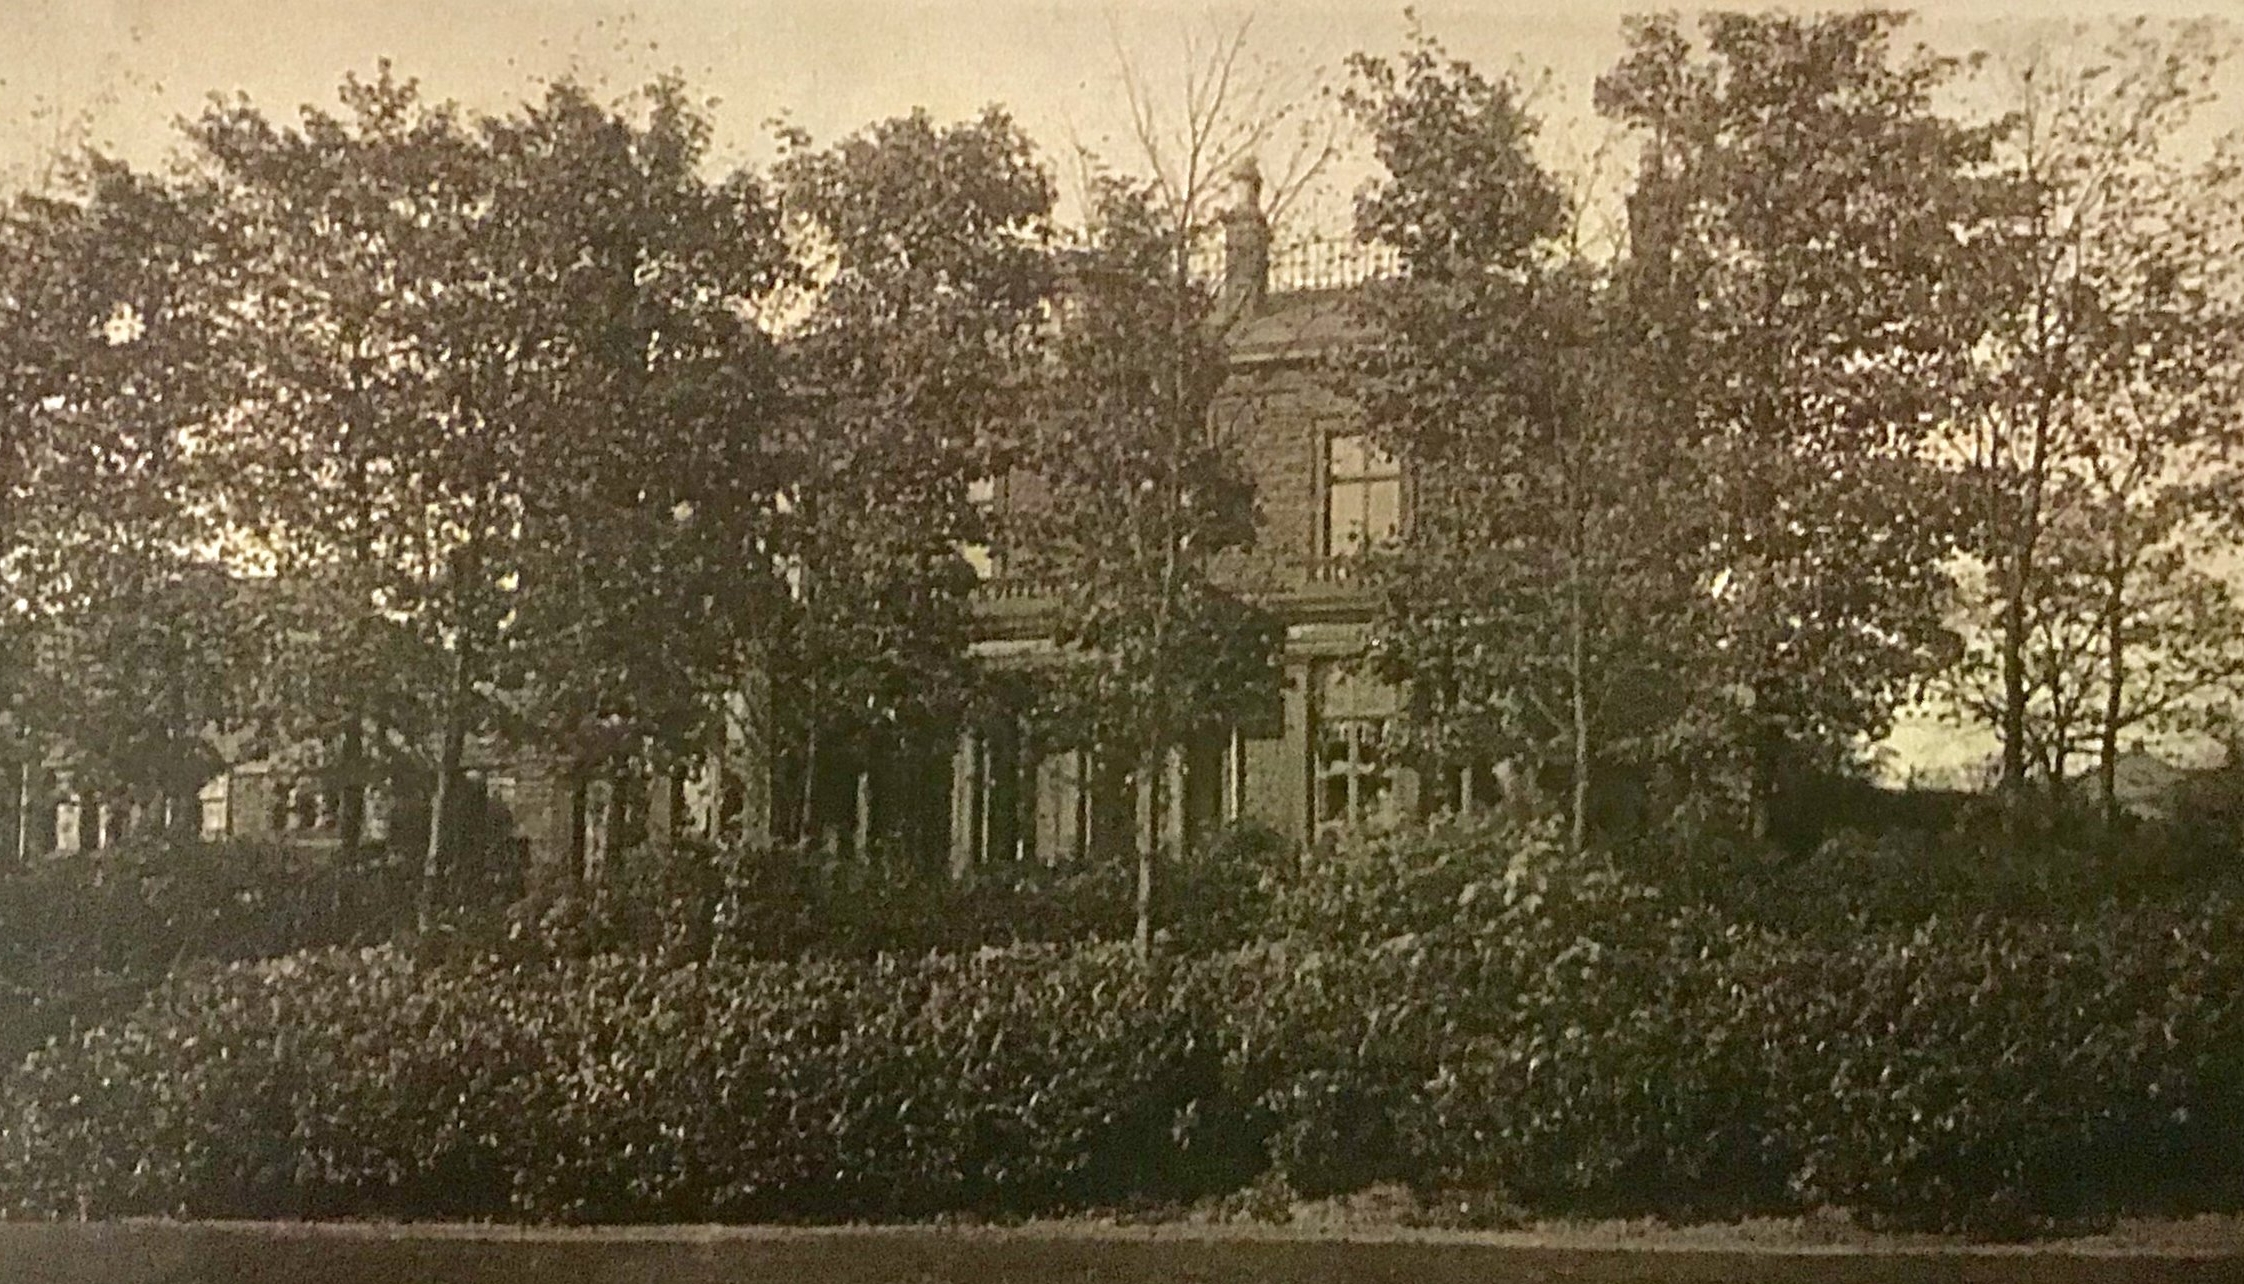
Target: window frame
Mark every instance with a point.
(1378, 469)
(1362, 808)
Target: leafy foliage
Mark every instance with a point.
(614, 1089)
(1134, 491)
(929, 249)
(1474, 1009)
(1802, 218)
(125, 651)
(2098, 455)
(86, 934)
(1539, 609)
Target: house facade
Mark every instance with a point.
(1317, 756)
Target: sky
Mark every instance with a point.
(120, 71)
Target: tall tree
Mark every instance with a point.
(2110, 414)
(1228, 109)
(1802, 219)
(932, 244)
(1536, 603)
(361, 457)
(503, 424)
(1140, 492)
(331, 367)
(648, 403)
(122, 612)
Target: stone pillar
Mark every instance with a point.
(1059, 807)
(667, 818)
(1293, 761)
(1234, 777)
(966, 804)
(249, 803)
(1172, 802)
(545, 817)
(750, 749)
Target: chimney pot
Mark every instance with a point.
(1246, 245)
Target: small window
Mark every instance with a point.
(1467, 789)
(213, 818)
(1363, 495)
(306, 805)
(376, 825)
(70, 816)
(1354, 782)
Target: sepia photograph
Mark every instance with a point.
(1121, 641)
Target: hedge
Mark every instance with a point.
(614, 1089)
(1977, 1071)
(693, 901)
(84, 934)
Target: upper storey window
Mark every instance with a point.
(1363, 495)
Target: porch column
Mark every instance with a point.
(748, 754)
(966, 804)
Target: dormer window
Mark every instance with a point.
(1363, 495)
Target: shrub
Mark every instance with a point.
(83, 934)
(692, 901)
(1453, 877)
(1996, 1070)
(140, 907)
(346, 1082)
(1510, 1020)
(1221, 894)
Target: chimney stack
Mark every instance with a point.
(1246, 246)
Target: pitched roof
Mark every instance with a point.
(1296, 326)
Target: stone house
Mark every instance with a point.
(1315, 759)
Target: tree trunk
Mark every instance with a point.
(180, 807)
(1761, 783)
(1149, 859)
(2115, 682)
(615, 813)
(1577, 664)
(443, 795)
(2026, 542)
(2013, 729)
(863, 838)
(580, 844)
(806, 818)
(350, 782)
(23, 811)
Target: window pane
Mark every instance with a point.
(1348, 455)
(377, 820)
(1332, 772)
(1373, 798)
(1332, 799)
(1353, 457)
(1369, 736)
(1345, 518)
(1382, 519)
(1360, 770)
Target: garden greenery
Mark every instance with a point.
(1460, 1008)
